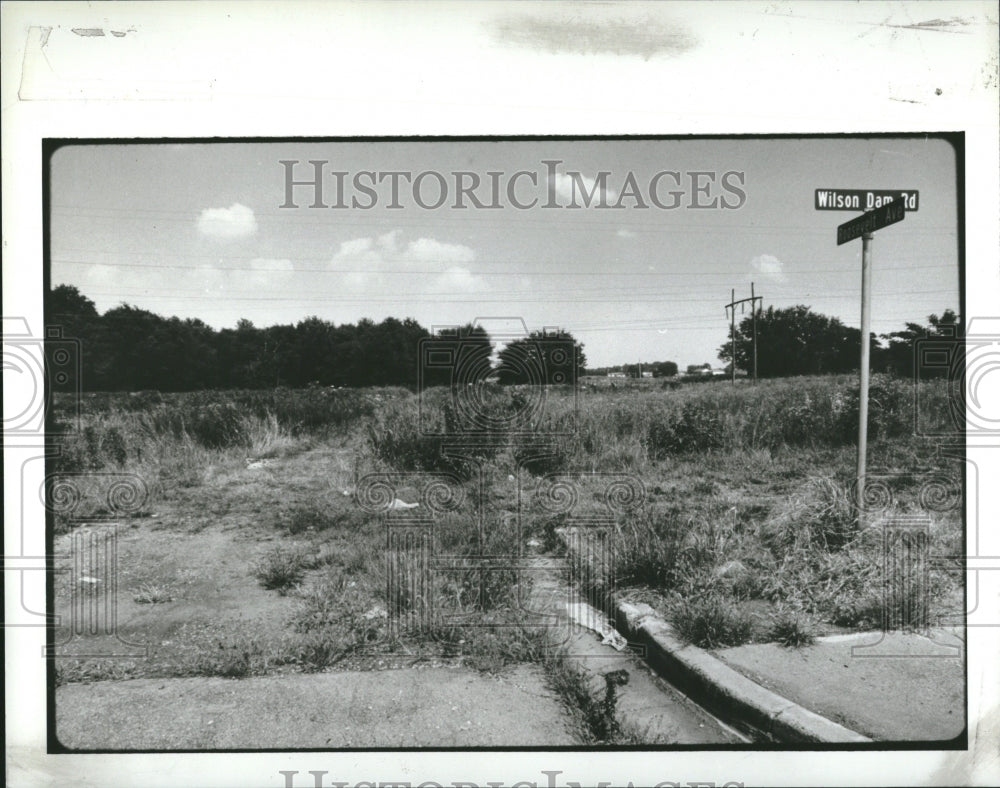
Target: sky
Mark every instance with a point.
(206, 231)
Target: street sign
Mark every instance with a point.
(864, 199)
(870, 222)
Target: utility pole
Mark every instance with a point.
(733, 303)
(753, 316)
(732, 331)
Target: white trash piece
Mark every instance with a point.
(587, 616)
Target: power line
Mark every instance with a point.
(629, 297)
(452, 263)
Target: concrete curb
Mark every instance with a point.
(727, 692)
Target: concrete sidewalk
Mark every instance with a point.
(891, 687)
(418, 707)
(854, 689)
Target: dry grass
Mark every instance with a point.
(747, 504)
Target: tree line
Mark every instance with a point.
(798, 341)
(132, 349)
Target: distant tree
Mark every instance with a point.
(549, 357)
(455, 356)
(76, 317)
(664, 369)
(65, 304)
(796, 341)
(899, 354)
(146, 351)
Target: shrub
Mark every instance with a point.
(544, 454)
(217, 426)
(96, 446)
(281, 569)
(648, 558)
(395, 437)
(151, 594)
(792, 631)
(710, 621)
(698, 426)
(820, 515)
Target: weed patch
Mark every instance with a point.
(711, 621)
(336, 617)
(792, 631)
(281, 569)
(594, 711)
(152, 594)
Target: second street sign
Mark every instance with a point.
(870, 222)
(864, 199)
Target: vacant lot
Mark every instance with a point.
(266, 539)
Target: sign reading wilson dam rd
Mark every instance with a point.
(864, 199)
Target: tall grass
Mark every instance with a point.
(790, 437)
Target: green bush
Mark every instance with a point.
(395, 437)
(542, 454)
(281, 569)
(698, 426)
(710, 621)
(98, 445)
(791, 630)
(649, 557)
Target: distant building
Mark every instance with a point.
(646, 374)
(616, 375)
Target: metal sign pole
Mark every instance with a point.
(866, 318)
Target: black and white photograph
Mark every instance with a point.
(336, 483)
(571, 456)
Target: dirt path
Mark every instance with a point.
(197, 554)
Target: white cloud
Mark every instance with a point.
(575, 188)
(236, 221)
(357, 250)
(379, 263)
(625, 233)
(371, 262)
(385, 249)
(768, 266)
(387, 243)
(431, 251)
